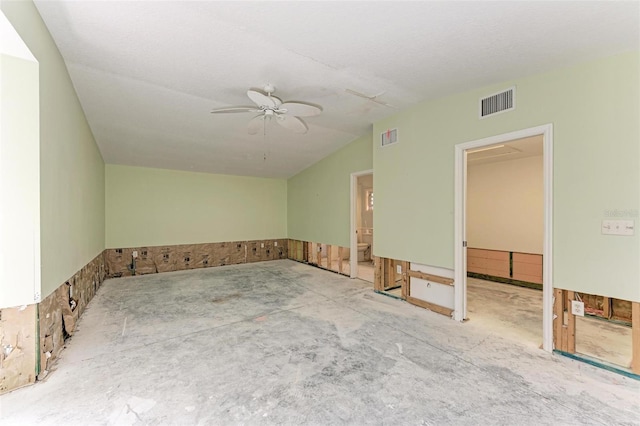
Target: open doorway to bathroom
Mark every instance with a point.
(362, 226)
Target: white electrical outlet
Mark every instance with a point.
(399, 269)
(275, 244)
(577, 308)
(261, 245)
(135, 254)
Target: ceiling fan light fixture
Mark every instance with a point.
(287, 113)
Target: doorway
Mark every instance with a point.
(362, 234)
(462, 284)
(504, 234)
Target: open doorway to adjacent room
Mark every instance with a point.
(505, 237)
(362, 208)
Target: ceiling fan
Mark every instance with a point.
(286, 114)
(373, 98)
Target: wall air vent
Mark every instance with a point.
(389, 137)
(498, 103)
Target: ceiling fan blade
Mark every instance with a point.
(292, 123)
(234, 109)
(262, 99)
(256, 124)
(301, 109)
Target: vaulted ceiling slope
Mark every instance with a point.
(148, 73)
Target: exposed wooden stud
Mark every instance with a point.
(340, 253)
(635, 337)
(378, 278)
(319, 254)
(571, 325)
(564, 338)
(390, 274)
(329, 262)
(432, 278)
(606, 307)
(431, 306)
(559, 318)
(405, 280)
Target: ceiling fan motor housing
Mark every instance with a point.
(287, 113)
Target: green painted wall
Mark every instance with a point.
(151, 207)
(318, 197)
(19, 162)
(595, 112)
(71, 167)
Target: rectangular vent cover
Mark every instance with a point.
(389, 137)
(498, 103)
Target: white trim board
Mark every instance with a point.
(460, 262)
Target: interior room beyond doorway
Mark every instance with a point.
(505, 237)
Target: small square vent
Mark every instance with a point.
(498, 103)
(389, 137)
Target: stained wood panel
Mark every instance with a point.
(527, 267)
(488, 262)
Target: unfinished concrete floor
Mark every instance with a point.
(284, 343)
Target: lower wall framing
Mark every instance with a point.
(59, 312)
(326, 256)
(564, 326)
(18, 337)
(121, 262)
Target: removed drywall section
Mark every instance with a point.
(17, 347)
(129, 261)
(325, 256)
(318, 198)
(71, 167)
(596, 171)
(60, 311)
(154, 207)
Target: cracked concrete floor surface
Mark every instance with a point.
(284, 343)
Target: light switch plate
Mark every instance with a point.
(135, 254)
(577, 308)
(618, 227)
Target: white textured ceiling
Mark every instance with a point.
(147, 73)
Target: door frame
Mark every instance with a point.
(353, 237)
(460, 261)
